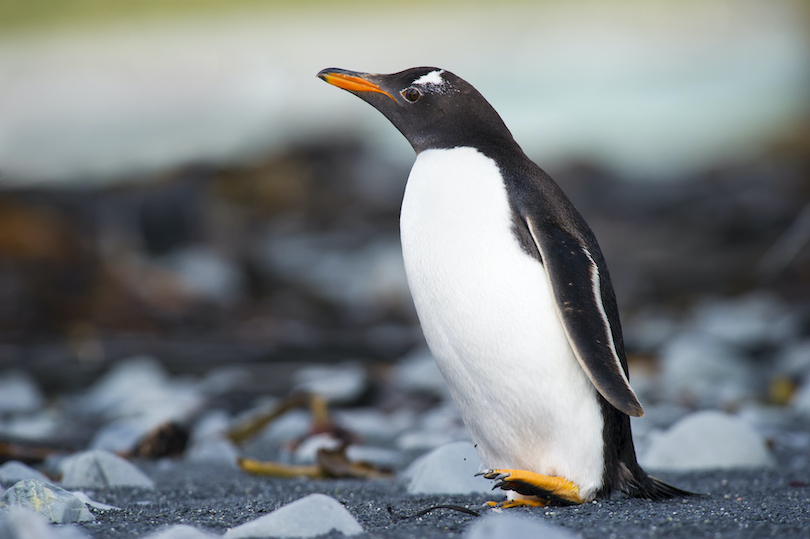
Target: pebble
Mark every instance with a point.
(212, 449)
(800, 402)
(418, 372)
(121, 435)
(181, 531)
(13, 471)
(313, 515)
(752, 319)
(206, 275)
(499, 525)
(794, 360)
(708, 440)
(19, 392)
(23, 523)
(342, 383)
(101, 469)
(449, 469)
(39, 425)
(56, 504)
(705, 371)
(372, 424)
(141, 387)
(293, 424)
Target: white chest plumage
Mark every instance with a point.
(489, 318)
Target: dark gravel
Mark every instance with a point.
(774, 503)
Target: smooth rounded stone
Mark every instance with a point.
(794, 359)
(13, 471)
(205, 274)
(800, 402)
(54, 503)
(18, 522)
(181, 531)
(313, 515)
(211, 423)
(340, 383)
(123, 434)
(500, 525)
(19, 392)
(748, 320)
(307, 450)
(293, 424)
(449, 469)
(125, 380)
(101, 469)
(418, 372)
(141, 387)
(333, 266)
(378, 456)
(212, 449)
(702, 370)
(707, 440)
(38, 425)
(372, 424)
(423, 440)
(649, 329)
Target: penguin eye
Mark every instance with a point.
(411, 94)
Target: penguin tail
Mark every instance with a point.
(641, 485)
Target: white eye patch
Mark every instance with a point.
(434, 78)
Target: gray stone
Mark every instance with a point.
(102, 469)
(140, 389)
(418, 372)
(336, 383)
(19, 392)
(213, 449)
(449, 469)
(703, 370)
(19, 522)
(708, 440)
(123, 434)
(205, 274)
(372, 424)
(748, 320)
(14, 471)
(181, 531)
(310, 516)
(500, 525)
(55, 504)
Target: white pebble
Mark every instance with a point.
(702, 370)
(13, 471)
(19, 392)
(708, 440)
(449, 469)
(341, 383)
(313, 515)
(56, 504)
(181, 531)
(23, 523)
(500, 525)
(102, 469)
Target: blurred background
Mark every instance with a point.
(175, 181)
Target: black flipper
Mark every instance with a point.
(579, 288)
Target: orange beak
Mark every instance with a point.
(353, 82)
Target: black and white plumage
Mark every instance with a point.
(511, 289)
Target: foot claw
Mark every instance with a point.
(538, 486)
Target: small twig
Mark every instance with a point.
(460, 508)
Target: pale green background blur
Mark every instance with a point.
(101, 91)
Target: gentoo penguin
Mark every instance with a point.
(513, 296)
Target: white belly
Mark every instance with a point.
(488, 316)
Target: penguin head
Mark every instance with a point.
(432, 107)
